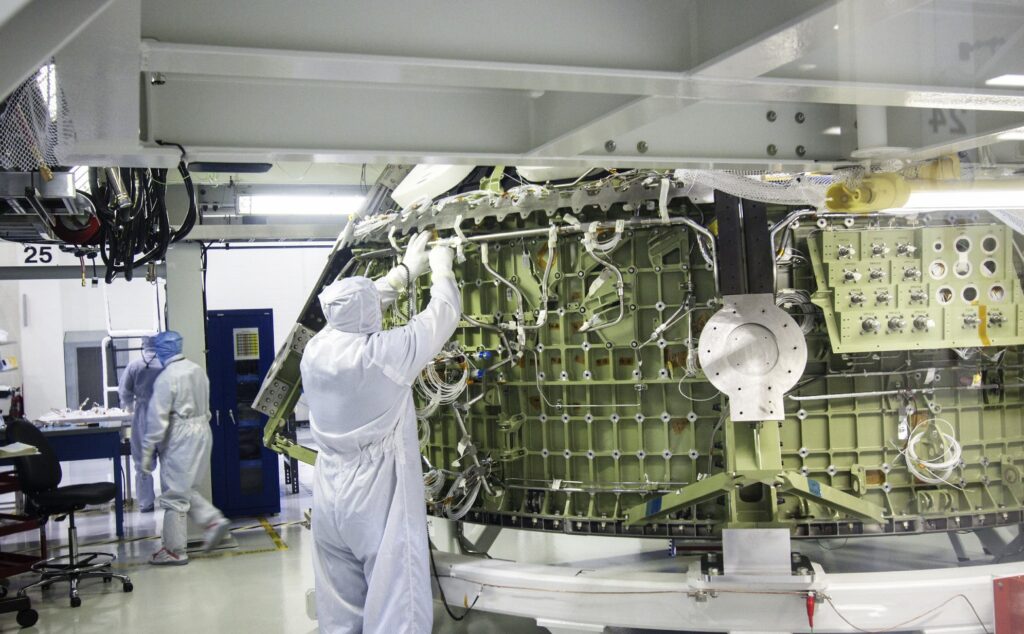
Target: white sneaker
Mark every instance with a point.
(164, 557)
(215, 534)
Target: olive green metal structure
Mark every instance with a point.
(585, 409)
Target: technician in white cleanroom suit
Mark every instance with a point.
(135, 389)
(369, 517)
(179, 427)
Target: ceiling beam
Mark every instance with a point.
(595, 132)
(277, 232)
(263, 64)
(61, 272)
(775, 48)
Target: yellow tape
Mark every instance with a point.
(274, 537)
(213, 555)
(234, 553)
(983, 326)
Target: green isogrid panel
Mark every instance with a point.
(933, 287)
(611, 419)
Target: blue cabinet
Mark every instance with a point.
(244, 473)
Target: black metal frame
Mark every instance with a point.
(74, 567)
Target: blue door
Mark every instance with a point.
(244, 473)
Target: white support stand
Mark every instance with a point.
(638, 592)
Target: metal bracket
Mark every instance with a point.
(722, 483)
(1001, 550)
(482, 544)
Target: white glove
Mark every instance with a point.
(147, 462)
(415, 260)
(416, 254)
(441, 259)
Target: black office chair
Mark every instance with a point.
(39, 477)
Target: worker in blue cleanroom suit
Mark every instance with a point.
(370, 560)
(179, 428)
(135, 389)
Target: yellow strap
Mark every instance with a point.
(983, 325)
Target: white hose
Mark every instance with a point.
(435, 390)
(461, 496)
(803, 310)
(433, 483)
(937, 470)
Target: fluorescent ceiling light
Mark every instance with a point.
(1006, 80)
(299, 205)
(967, 198)
(832, 131)
(1012, 135)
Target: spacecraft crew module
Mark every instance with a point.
(667, 354)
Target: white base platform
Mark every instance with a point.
(653, 590)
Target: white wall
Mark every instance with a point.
(10, 317)
(37, 313)
(54, 307)
(278, 279)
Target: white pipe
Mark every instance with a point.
(872, 127)
(103, 372)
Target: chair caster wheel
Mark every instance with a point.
(76, 601)
(27, 617)
(127, 586)
(107, 579)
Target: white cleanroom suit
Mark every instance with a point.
(369, 518)
(178, 427)
(135, 390)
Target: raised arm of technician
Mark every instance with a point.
(158, 419)
(414, 264)
(410, 347)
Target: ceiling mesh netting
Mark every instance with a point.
(35, 123)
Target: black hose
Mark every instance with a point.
(138, 231)
(440, 590)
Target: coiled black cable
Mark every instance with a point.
(131, 206)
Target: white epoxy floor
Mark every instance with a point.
(255, 587)
(260, 587)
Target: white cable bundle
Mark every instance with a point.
(799, 300)
(433, 483)
(473, 198)
(518, 194)
(435, 391)
(462, 495)
(370, 224)
(423, 430)
(937, 470)
(591, 243)
(792, 190)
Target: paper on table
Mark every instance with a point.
(16, 449)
